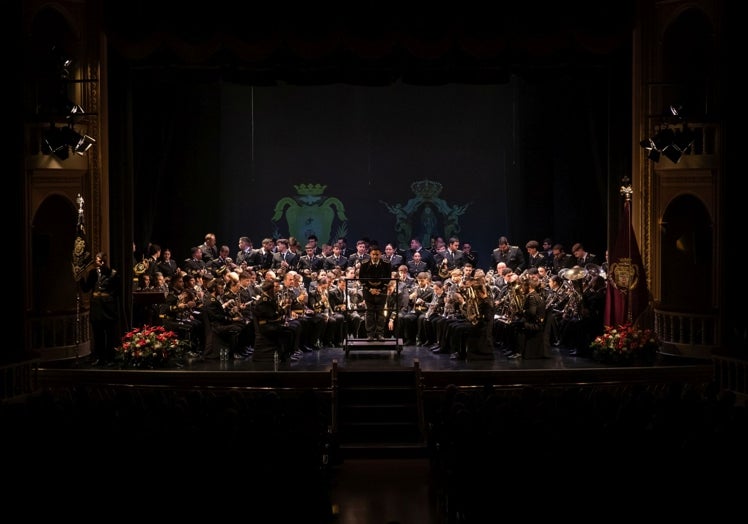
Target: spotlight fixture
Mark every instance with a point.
(671, 143)
(59, 141)
(53, 143)
(84, 144)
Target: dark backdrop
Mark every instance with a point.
(524, 159)
(524, 125)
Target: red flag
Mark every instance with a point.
(627, 295)
(81, 254)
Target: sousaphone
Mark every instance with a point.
(574, 273)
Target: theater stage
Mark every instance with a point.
(319, 369)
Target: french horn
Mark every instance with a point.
(141, 267)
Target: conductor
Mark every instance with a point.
(375, 274)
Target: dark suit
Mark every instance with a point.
(289, 257)
(355, 258)
(588, 259)
(414, 268)
(374, 279)
(426, 256)
(512, 257)
(395, 261)
(332, 262)
(168, 268)
(104, 311)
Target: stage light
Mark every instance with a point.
(53, 143)
(59, 141)
(84, 144)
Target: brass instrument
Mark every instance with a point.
(141, 267)
(449, 300)
(472, 306)
(444, 270)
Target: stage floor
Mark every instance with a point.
(438, 369)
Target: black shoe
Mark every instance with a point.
(239, 356)
(456, 356)
(572, 352)
(515, 356)
(435, 347)
(370, 339)
(380, 338)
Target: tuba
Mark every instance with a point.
(444, 270)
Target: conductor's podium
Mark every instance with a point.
(364, 344)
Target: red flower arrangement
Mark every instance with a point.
(149, 346)
(626, 344)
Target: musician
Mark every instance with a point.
(245, 255)
(104, 284)
(339, 306)
(355, 301)
(310, 263)
(392, 257)
(426, 256)
(535, 258)
(416, 265)
(167, 265)
(154, 255)
(220, 309)
(335, 260)
(583, 257)
(451, 257)
(239, 311)
(284, 259)
(561, 259)
(453, 314)
(221, 264)
(272, 327)
(511, 255)
(554, 307)
(312, 240)
(360, 256)
(293, 299)
(374, 275)
(209, 248)
(327, 324)
(531, 337)
(419, 299)
(477, 335)
(264, 256)
(426, 323)
(195, 264)
(469, 255)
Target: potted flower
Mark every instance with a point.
(626, 345)
(149, 347)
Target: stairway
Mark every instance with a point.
(379, 414)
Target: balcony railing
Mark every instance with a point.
(687, 334)
(64, 335)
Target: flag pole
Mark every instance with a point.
(79, 201)
(627, 192)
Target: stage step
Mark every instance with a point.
(378, 414)
(362, 344)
